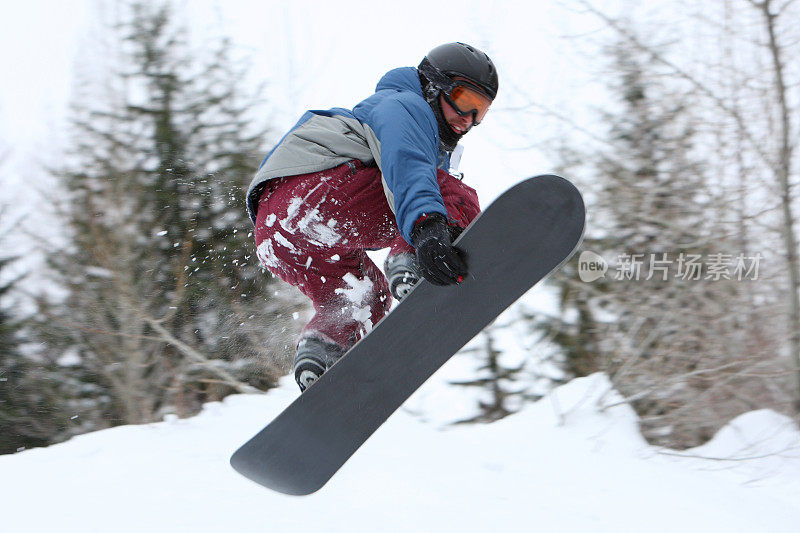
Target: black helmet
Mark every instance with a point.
(437, 72)
(459, 59)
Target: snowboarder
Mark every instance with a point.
(341, 182)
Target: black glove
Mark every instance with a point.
(439, 261)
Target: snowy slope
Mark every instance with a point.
(560, 465)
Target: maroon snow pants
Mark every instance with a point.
(313, 231)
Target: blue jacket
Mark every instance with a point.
(395, 129)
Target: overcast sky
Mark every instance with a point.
(312, 54)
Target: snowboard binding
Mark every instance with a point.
(314, 357)
(402, 272)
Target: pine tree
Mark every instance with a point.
(166, 306)
(9, 328)
(28, 406)
(13, 402)
(502, 385)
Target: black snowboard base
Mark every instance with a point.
(525, 234)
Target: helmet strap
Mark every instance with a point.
(433, 83)
(448, 139)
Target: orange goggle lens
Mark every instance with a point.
(467, 100)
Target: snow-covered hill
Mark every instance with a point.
(562, 464)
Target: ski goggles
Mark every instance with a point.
(467, 100)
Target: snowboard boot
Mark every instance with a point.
(402, 273)
(312, 359)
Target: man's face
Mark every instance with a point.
(457, 123)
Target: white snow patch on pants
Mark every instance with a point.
(358, 294)
(266, 254)
(311, 223)
(283, 241)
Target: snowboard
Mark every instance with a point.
(526, 233)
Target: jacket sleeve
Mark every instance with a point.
(408, 138)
